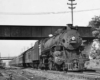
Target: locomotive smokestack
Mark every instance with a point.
(69, 26)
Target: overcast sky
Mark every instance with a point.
(30, 8)
(39, 12)
(10, 48)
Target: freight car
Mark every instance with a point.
(63, 51)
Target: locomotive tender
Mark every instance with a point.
(59, 52)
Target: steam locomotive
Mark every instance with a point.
(62, 51)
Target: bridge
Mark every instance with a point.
(23, 32)
(6, 58)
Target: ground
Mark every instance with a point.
(32, 74)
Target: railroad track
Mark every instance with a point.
(88, 76)
(80, 75)
(83, 75)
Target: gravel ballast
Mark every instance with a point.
(51, 76)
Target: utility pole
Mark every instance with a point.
(0, 55)
(71, 7)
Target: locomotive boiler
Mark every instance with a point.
(62, 51)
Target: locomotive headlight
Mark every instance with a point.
(73, 38)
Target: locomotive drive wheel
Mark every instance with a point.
(41, 65)
(50, 65)
(57, 67)
(64, 68)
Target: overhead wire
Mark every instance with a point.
(44, 13)
(36, 13)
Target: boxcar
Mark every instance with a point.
(20, 60)
(35, 55)
(31, 56)
(28, 57)
(14, 62)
